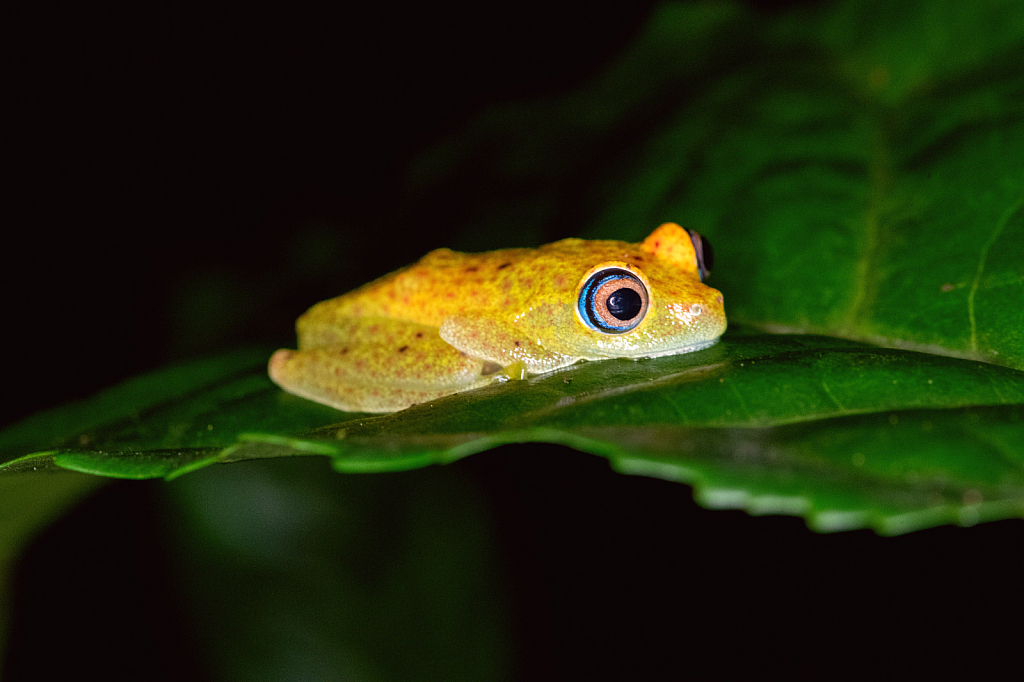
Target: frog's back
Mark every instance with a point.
(445, 282)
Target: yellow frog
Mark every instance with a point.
(457, 321)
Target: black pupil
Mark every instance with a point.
(624, 304)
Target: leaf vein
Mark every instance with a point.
(828, 392)
(982, 257)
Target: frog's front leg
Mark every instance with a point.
(376, 365)
(484, 337)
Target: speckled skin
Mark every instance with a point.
(457, 321)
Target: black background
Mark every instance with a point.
(173, 173)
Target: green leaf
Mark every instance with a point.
(857, 165)
(167, 421)
(883, 176)
(845, 434)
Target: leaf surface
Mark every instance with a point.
(857, 166)
(846, 434)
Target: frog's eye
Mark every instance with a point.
(705, 256)
(613, 300)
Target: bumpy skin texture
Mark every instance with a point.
(457, 321)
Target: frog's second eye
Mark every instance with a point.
(612, 300)
(705, 256)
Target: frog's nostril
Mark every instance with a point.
(719, 299)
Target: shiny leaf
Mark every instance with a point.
(845, 434)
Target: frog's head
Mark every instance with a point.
(653, 301)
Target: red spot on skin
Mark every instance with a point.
(472, 268)
(517, 344)
(344, 350)
(657, 244)
(419, 335)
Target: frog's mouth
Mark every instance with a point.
(700, 345)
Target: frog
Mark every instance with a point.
(455, 322)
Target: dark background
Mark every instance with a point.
(187, 182)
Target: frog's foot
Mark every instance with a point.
(278, 361)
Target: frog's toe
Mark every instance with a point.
(277, 364)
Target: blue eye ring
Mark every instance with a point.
(612, 300)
